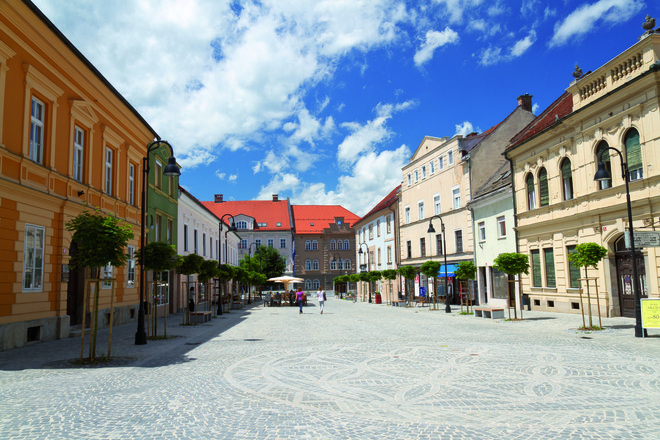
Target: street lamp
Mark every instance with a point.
(431, 230)
(368, 268)
(603, 174)
(232, 228)
(171, 170)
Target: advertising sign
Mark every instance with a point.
(651, 313)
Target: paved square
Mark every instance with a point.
(359, 371)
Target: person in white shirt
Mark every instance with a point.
(321, 296)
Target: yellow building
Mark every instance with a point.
(68, 141)
(559, 204)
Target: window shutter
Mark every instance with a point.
(566, 169)
(574, 271)
(633, 150)
(549, 256)
(543, 187)
(536, 268)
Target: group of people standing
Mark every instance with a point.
(320, 294)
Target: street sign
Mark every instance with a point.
(646, 239)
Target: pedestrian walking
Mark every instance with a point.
(299, 298)
(321, 296)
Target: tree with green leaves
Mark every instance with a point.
(466, 270)
(430, 268)
(390, 275)
(513, 264)
(365, 278)
(269, 261)
(408, 273)
(354, 278)
(102, 241)
(374, 277)
(190, 264)
(588, 255)
(158, 257)
(225, 274)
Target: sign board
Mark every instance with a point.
(647, 238)
(65, 273)
(650, 313)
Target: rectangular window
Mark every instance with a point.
(378, 228)
(549, 257)
(388, 224)
(389, 255)
(450, 157)
(210, 247)
(500, 283)
(131, 184)
(107, 276)
(130, 266)
(573, 270)
(422, 247)
(458, 235)
(158, 224)
(185, 238)
(437, 207)
(244, 243)
(456, 195)
(501, 227)
(378, 256)
(409, 180)
(37, 116)
(438, 244)
(195, 242)
(482, 231)
(371, 231)
(257, 242)
(282, 243)
(170, 185)
(33, 259)
(423, 171)
(78, 143)
(204, 244)
(170, 230)
(407, 214)
(441, 163)
(271, 242)
(158, 175)
(409, 248)
(108, 171)
(420, 210)
(432, 167)
(416, 176)
(536, 268)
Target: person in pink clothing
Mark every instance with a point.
(299, 298)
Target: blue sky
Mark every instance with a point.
(325, 101)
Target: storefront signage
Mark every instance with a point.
(651, 313)
(646, 239)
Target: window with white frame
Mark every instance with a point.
(308, 245)
(423, 171)
(315, 245)
(244, 243)
(347, 264)
(371, 231)
(107, 277)
(388, 224)
(420, 210)
(389, 255)
(340, 245)
(432, 167)
(158, 175)
(441, 162)
(33, 258)
(333, 265)
(257, 242)
(308, 264)
(78, 145)
(131, 184)
(185, 238)
(450, 157)
(416, 176)
(271, 242)
(109, 154)
(333, 245)
(422, 247)
(437, 208)
(282, 243)
(37, 122)
(347, 245)
(458, 235)
(482, 231)
(241, 224)
(195, 242)
(315, 264)
(409, 180)
(308, 284)
(407, 214)
(130, 266)
(316, 284)
(456, 195)
(501, 227)
(204, 244)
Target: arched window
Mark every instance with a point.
(347, 264)
(340, 265)
(315, 245)
(333, 245)
(544, 194)
(308, 264)
(567, 178)
(315, 264)
(333, 265)
(531, 194)
(347, 245)
(605, 158)
(633, 154)
(340, 245)
(308, 245)
(308, 284)
(317, 284)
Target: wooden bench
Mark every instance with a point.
(206, 316)
(488, 312)
(397, 302)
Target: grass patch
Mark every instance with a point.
(595, 328)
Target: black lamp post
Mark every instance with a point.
(231, 228)
(431, 230)
(603, 174)
(368, 268)
(171, 170)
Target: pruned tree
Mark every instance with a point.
(158, 257)
(588, 255)
(390, 275)
(514, 264)
(430, 268)
(408, 273)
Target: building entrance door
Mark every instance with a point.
(75, 290)
(624, 277)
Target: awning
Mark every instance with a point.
(450, 270)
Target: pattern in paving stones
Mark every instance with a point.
(359, 371)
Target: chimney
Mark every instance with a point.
(218, 198)
(525, 101)
(275, 198)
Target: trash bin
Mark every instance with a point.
(525, 302)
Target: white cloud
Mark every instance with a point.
(464, 129)
(233, 177)
(220, 175)
(433, 40)
(493, 55)
(529, 7)
(521, 46)
(587, 18)
(455, 8)
(194, 158)
(490, 56)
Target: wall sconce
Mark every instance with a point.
(81, 193)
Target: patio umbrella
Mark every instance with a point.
(286, 280)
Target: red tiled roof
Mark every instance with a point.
(263, 211)
(562, 107)
(387, 201)
(312, 219)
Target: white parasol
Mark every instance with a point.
(286, 280)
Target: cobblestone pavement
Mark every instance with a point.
(359, 371)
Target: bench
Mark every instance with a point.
(397, 303)
(488, 312)
(205, 316)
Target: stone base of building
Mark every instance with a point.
(19, 334)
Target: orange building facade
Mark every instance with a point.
(68, 142)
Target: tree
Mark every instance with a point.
(364, 277)
(409, 273)
(588, 255)
(225, 274)
(159, 257)
(102, 240)
(466, 270)
(271, 262)
(430, 268)
(374, 276)
(191, 264)
(389, 274)
(513, 264)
